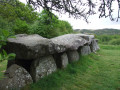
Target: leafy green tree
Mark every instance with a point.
(20, 27)
(64, 27)
(25, 12)
(7, 11)
(17, 15)
(5, 25)
(49, 27)
(17, 10)
(45, 26)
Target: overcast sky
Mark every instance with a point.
(95, 22)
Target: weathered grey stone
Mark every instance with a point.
(34, 53)
(42, 67)
(61, 60)
(68, 42)
(88, 38)
(73, 56)
(94, 46)
(16, 78)
(85, 50)
(29, 47)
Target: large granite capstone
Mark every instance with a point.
(88, 38)
(29, 47)
(68, 42)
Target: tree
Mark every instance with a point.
(13, 9)
(16, 17)
(78, 8)
(50, 27)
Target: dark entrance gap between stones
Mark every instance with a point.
(23, 63)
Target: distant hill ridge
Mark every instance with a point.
(99, 31)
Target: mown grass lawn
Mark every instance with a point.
(100, 71)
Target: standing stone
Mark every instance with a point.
(94, 45)
(85, 50)
(16, 78)
(61, 60)
(42, 67)
(73, 56)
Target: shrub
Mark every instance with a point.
(12, 10)
(4, 34)
(45, 25)
(49, 26)
(64, 27)
(16, 16)
(20, 27)
(106, 39)
(5, 25)
(115, 42)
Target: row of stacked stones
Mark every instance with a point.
(37, 57)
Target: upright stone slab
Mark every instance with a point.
(61, 60)
(85, 50)
(42, 67)
(94, 45)
(73, 56)
(16, 78)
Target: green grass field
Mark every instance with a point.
(100, 71)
